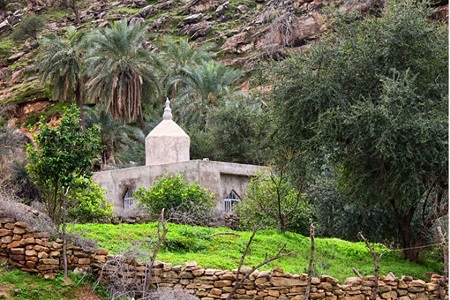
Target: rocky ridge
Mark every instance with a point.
(242, 31)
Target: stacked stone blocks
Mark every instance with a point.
(36, 252)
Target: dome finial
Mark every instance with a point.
(167, 111)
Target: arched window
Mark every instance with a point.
(230, 200)
(127, 199)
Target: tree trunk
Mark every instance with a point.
(408, 241)
(79, 100)
(73, 5)
(64, 237)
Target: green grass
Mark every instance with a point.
(210, 248)
(19, 285)
(6, 47)
(27, 92)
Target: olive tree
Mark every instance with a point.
(371, 100)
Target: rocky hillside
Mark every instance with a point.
(243, 32)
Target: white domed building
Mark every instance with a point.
(167, 152)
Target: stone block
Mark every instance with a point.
(102, 251)
(28, 241)
(49, 261)
(21, 224)
(287, 282)
(17, 257)
(32, 258)
(198, 272)
(42, 254)
(187, 275)
(17, 250)
(101, 258)
(17, 237)
(354, 297)
(30, 253)
(222, 283)
(19, 230)
(216, 292)
(389, 295)
(6, 239)
(14, 244)
(30, 264)
(9, 226)
(273, 293)
(47, 267)
(84, 261)
(227, 276)
(40, 235)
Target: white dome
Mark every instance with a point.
(166, 143)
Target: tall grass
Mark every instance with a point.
(221, 248)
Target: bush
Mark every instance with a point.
(183, 202)
(88, 201)
(273, 202)
(28, 28)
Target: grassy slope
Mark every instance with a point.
(15, 284)
(210, 248)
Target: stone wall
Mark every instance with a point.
(36, 252)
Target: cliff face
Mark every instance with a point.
(243, 31)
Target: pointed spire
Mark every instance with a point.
(167, 111)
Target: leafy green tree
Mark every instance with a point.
(240, 131)
(177, 197)
(273, 201)
(115, 136)
(203, 88)
(121, 71)
(61, 64)
(29, 27)
(61, 155)
(372, 99)
(87, 202)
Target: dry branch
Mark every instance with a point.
(376, 260)
(162, 231)
(311, 261)
(267, 260)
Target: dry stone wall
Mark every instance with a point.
(36, 252)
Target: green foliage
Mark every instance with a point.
(211, 248)
(60, 63)
(29, 27)
(22, 286)
(371, 100)
(174, 194)
(121, 142)
(27, 91)
(121, 71)
(6, 46)
(62, 154)
(273, 202)
(88, 202)
(240, 130)
(203, 87)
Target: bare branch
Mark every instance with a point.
(311, 261)
(376, 260)
(267, 260)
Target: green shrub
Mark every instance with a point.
(273, 202)
(29, 27)
(88, 201)
(183, 202)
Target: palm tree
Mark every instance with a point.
(115, 136)
(60, 63)
(178, 54)
(204, 87)
(121, 70)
